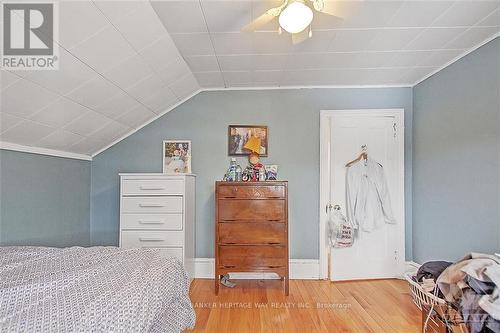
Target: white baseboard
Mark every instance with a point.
(299, 269)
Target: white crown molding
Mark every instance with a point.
(457, 58)
(309, 87)
(300, 269)
(170, 108)
(43, 151)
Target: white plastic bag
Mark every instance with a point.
(341, 232)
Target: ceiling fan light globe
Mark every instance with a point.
(295, 17)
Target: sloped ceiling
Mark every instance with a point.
(122, 63)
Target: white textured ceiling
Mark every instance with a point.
(382, 43)
(121, 67)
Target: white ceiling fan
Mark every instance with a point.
(296, 16)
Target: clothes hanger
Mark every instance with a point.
(363, 155)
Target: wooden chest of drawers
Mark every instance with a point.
(251, 229)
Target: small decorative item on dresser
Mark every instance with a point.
(176, 156)
(271, 172)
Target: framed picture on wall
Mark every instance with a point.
(176, 156)
(238, 136)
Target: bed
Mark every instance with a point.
(98, 289)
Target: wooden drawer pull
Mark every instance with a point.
(274, 243)
(275, 220)
(273, 266)
(228, 220)
(229, 266)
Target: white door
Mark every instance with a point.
(379, 253)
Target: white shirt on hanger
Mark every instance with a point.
(367, 195)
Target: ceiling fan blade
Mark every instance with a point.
(339, 8)
(262, 20)
(300, 37)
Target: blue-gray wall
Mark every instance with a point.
(44, 200)
(456, 159)
(293, 120)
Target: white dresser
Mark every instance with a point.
(158, 211)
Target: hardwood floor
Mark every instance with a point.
(313, 306)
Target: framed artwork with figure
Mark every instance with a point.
(176, 156)
(238, 136)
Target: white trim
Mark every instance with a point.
(170, 108)
(308, 87)
(457, 58)
(303, 269)
(324, 194)
(43, 151)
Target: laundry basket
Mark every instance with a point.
(420, 296)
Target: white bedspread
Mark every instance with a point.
(98, 289)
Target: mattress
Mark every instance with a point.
(97, 289)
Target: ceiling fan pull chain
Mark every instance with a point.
(280, 31)
(310, 31)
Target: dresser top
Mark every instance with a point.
(267, 182)
(157, 174)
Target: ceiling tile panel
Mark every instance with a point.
(227, 16)
(8, 121)
(7, 78)
(492, 20)
(180, 16)
(117, 105)
(87, 124)
(110, 132)
(94, 92)
(88, 146)
(71, 74)
(470, 37)
(136, 117)
(372, 59)
(372, 14)
(60, 140)
(145, 87)
(434, 38)
(351, 40)
(193, 44)
(439, 58)
(235, 42)
(142, 27)
(266, 76)
(320, 60)
(59, 113)
(253, 62)
(103, 50)
(210, 79)
(23, 98)
(26, 133)
(202, 63)
(237, 77)
(117, 9)
(418, 13)
(174, 71)
(160, 99)
(392, 39)
(412, 75)
(160, 54)
(466, 13)
(129, 72)
(79, 20)
(185, 86)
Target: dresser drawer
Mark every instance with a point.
(152, 204)
(154, 239)
(252, 192)
(152, 221)
(152, 187)
(252, 256)
(252, 233)
(253, 210)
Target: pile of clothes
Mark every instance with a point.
(471, 285)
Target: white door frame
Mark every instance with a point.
(325, 172)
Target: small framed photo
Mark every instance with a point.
(176, 156)
(238, 136)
